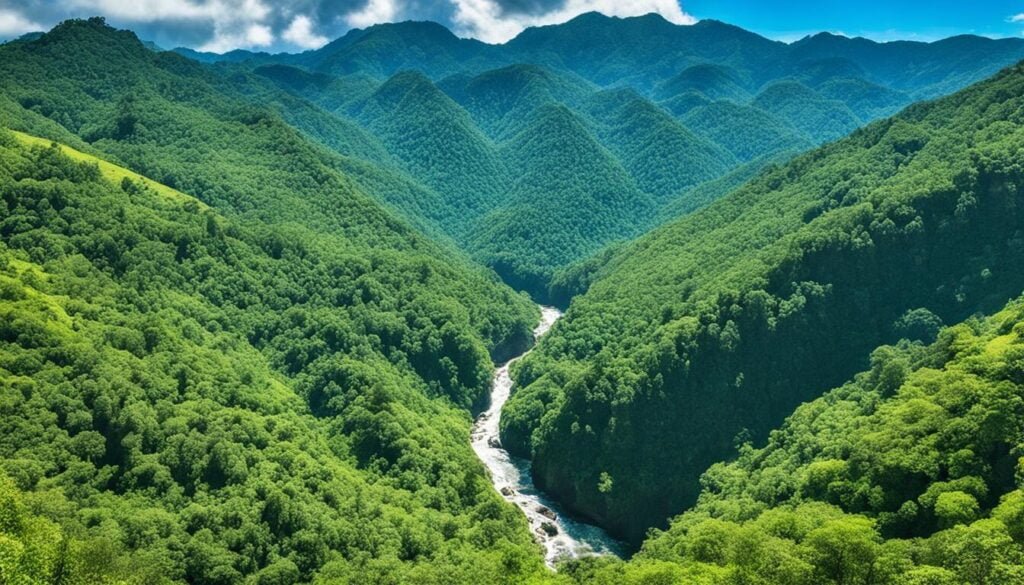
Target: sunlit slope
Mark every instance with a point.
(717, 325)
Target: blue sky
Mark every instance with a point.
(878, 19)
(295, 25)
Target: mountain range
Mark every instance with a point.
(250, 305)
(662, 100)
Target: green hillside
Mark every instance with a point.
(715, 82)
(424, 119)
(569, 197)
(501, 100)
(747, 132)
(663, 156)
(718, 325)
(439, 145)
(909, 473)
(199, 399)
(253, 308)
(808, 111)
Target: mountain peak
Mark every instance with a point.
(90, 29)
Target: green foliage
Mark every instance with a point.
(570, 197)
(870, 484)
(710, 330)
(808, 111)
(217, 400)
(244, 360)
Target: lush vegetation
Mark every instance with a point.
(675, 107)
(911, 473)
(204, 400)
(249, 306)
(719, 324)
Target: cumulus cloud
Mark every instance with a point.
(276, 25)
(1017, 17)
(373, 12)
(488, 21)
(13, 24)
(234, 23)
(300, 33)
(150, 10)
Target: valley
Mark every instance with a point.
(617, 300)
(562, 537)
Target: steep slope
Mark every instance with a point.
(662, 155)
(570, 196)
(334, 94)
(924, 70)
(766, 299)
(212, 400)
(746, 131)
(501, 100)
(439, 145)
(903, 475)
(642, 51)
(385, 49)
(818, 118)
(868, 101)
(715, 82)
(816, 72)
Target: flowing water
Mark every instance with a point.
(562, 536)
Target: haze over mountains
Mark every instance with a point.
(250, 305)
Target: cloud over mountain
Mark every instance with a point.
(223, 25)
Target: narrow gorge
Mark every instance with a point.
(562, 536)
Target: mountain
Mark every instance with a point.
(307, 387)
(904, 474)
(385, 49)
(250, 305)
(816, 117)
(662, 155)
(646, 52)
(924, 70)
(747, 132)
(436, 114)
(501, 99)
(715, 327)
(553, 215)
(714, 82)
(438, 143)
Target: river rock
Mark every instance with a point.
(507, 491)
(494, 442)
(549, 528)
(547, 512)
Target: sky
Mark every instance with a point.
(297, 25)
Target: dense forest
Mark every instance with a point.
(910, 473)
(675, 107)
(251, 303)
(767, 298)
(197, 399)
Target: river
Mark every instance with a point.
(562, 536)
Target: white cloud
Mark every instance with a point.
(374, 12)
(1017, 18)
(300, 33)
(13, 24)
(484, 19)
(259, 35)
(151, 10)
(235, 23)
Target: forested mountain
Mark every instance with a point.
(251, 303)
(200, 399)
(767, 298)
(569, 197)
(909, 473)
(676, 106)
